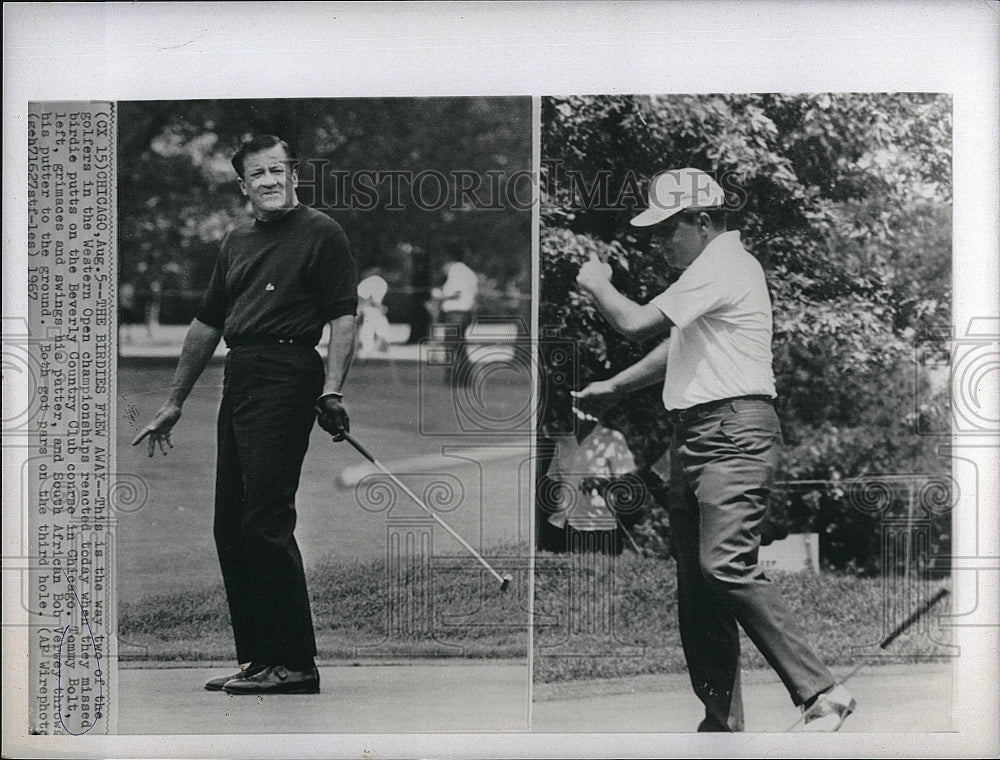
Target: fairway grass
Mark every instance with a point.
(634, 628)
(164, 541)
(597, 617)
(358, 613)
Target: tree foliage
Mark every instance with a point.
(178, 195)
(845, 199)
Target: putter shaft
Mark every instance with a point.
(504, 580)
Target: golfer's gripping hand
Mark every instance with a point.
(332, 417)
(157, 432)
(593, 274)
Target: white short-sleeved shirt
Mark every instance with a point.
(463, 281)
(720, 345)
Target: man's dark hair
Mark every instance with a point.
(717, 216)
(256, 144)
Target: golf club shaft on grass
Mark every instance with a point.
(893, 635)
(504, 579)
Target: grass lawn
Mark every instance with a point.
(359, 612)
(602, 617)
(595, 616)
(398, 410)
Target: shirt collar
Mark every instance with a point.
(729, 240)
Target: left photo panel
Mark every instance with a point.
(316, 389)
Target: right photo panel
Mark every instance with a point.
(743, 515)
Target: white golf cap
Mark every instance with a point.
(677, 190)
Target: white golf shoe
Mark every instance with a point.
(829, 710)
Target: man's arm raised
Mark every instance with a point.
(634, 321)
(199, 345)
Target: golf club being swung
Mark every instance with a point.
(504, 579)
(893, 635)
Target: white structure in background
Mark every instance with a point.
(373, 332)
(797, 553)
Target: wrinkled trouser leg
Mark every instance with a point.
(263, 433)
(728, 458)
(709, 635)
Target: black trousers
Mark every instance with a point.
(263, 433)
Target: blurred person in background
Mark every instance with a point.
(456, 300)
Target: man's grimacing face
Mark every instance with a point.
(269, 182)
(679, 240)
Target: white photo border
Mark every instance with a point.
(133, 51)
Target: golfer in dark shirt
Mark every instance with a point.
(279, 280)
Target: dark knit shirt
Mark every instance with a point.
(281, 279)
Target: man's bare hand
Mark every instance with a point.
(157, 432)
(593, 274)
(596, 397)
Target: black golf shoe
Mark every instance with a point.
(249, 669)
(276, 679)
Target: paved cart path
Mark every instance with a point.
(406, 698)
(461, 696)
(891, 699)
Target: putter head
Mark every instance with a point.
(506, 582)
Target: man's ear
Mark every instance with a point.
(704, 222)
(242, 184)
(295, 178)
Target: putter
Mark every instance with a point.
(504, 579)
(893, 635)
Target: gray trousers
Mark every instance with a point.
(723, 467)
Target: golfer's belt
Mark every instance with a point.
(698, 410)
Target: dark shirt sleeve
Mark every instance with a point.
(335, 277)
(212, 310)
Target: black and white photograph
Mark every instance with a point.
(322, 362)
(501, 379)
(748, 281)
